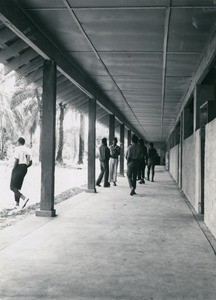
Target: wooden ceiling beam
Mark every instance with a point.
(15, 19)
(29, 67)
(19, 61)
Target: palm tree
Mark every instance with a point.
(59, 157)
(26, 105)
(20, 109)
(7, 120)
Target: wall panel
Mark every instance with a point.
(210, 177)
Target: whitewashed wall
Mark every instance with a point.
(174, 168)
(197, 192)
(210, 177)
(188, 169)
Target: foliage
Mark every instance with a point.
(21, 115)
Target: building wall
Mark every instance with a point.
(210, 177)
(188, 169)
(174, 170)
(197, 192)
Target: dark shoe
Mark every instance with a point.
(143, 181)
(114, 183)
(132, 192)
(106, 185)
(140, 182)
(97, 184)
(152, 180)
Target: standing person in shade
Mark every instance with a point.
(114, 154)
(22, 162)
(104, 156)
(132, 156)
(152, 158)
(143, 160)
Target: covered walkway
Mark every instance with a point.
(110, 245)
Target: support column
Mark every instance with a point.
(48, 140)
(181, 148)
(129, 137)
(122, 158)
(91, 146)
(111, 128)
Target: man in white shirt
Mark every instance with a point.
(22, 162)
(114, 154)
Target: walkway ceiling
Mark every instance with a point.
(138, 58)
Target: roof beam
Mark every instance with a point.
(35, 75)
(15, 18)
(29, 67)
(12, 50)
(20, 60)
(165, 44)
(119, 7)
(80, 106)
(64, 85)
(5, 35)
(70, 92)
(75, 100)
(61, 79)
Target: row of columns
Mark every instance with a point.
(48, 141)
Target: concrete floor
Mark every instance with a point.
(110, 245)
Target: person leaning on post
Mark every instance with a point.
(22, 162)
(104, 156)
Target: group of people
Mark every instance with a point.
(137, 157)
(108, 162)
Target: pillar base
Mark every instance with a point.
(91, 190)
(46, 213)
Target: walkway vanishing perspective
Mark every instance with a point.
(110, 245)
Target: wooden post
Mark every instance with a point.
(122, 158)
(91, 146)
(48, 140)
(111, 128)
(129, 137)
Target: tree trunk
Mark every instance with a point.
(81, 139)
(59, 157)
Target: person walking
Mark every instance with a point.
(152, 158)
(22, 162)
(142, 162)
(114, 154)
(133, 156)
(104, 156)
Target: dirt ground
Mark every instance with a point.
(69, 181)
